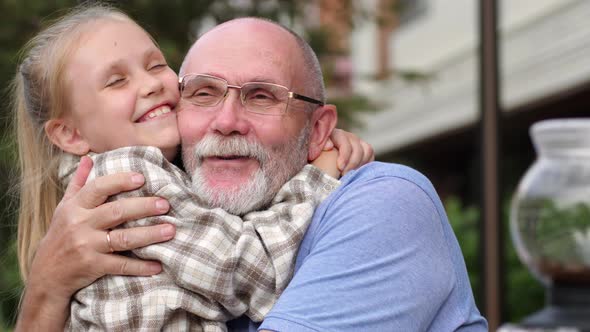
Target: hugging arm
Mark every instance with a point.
(343, 152)
(218, 267)
(352, 151)
(73, 252)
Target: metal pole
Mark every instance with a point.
(490, 113)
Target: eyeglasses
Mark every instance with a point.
(256, 97)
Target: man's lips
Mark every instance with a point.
(230, 157)
(226, 158)
(155, 113)
(218, 161)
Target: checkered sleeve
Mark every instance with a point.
(218, 266)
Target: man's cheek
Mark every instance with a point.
(275, 131)
(189, 126)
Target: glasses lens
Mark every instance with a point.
(203, 90)
(265, 98)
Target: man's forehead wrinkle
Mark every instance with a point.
(263, 61)
(270, 56)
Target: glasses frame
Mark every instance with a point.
(290, 94)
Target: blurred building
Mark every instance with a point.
(421, 67)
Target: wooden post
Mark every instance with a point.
(490, 113)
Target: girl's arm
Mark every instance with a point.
(220, 265)
(344, 151)
(328, 162)
(73, 252)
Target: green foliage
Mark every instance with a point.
(557, 239)
(523, 293)
(350, 109)
(465, 223)
(10, 286)
(318, 39)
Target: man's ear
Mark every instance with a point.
(323, 121)
(65, 136)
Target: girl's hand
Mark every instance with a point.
(352, 151)
(327, 162)
(75, 251)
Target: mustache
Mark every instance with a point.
(229, 146)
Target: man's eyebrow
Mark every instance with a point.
(261, 79)
(210, 73)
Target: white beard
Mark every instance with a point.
(276, 166)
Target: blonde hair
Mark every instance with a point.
(39, 95)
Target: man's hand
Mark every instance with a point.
(75, 250)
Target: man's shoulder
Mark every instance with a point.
(383, 188)
(376, 171)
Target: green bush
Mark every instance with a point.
(10, 287)
(523, 294)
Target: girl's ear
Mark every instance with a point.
(65, 136)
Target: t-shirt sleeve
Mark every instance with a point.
(378, 261)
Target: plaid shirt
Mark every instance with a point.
(218, 266)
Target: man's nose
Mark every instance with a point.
(230, 118)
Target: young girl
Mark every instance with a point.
(72, 102)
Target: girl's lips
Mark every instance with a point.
(155, 113)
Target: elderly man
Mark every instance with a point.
(379, 253)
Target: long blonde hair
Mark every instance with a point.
(39, 94)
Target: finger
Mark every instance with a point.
(329, 145)
(112, 214)
(338, 137)
(79, 178)
(123, 239)
(368, 153)
(344, 153)
(97, 191)
(344, 147)
(356, 156)
(121, 265)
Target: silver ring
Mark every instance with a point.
(109, 241)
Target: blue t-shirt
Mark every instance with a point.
(379, 255)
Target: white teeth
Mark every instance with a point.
(159, 111)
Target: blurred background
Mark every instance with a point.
(405, 77)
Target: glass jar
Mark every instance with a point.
(550, 212)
